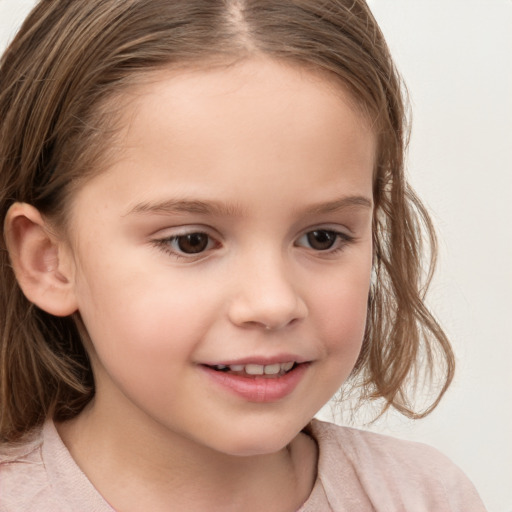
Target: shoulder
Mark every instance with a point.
(379, 448)
(394, 471)
(26, 449)
(23, 478)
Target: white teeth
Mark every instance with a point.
(287, 366)
(272, 369)
(257, 369)
(254, 369)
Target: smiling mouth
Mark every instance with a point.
(258, 383)
(256, 370)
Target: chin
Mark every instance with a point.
(250, 443)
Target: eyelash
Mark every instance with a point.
(341, 240)
(166, 245)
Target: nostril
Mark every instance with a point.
(266, 302)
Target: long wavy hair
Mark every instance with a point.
(61, 84)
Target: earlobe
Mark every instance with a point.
(37, 256)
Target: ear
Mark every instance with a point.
(42, 263)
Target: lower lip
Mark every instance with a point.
(258, 388)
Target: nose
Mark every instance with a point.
(266, 295)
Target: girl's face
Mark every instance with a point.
(232, 238)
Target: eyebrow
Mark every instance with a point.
(173, 206)
(340, 204)
(221, 209)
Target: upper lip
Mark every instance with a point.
(260, 360)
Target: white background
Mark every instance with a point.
(456, 57)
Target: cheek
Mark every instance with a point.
(341, 310)
(141, 315)
(143, 336)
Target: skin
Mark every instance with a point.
(279, 152)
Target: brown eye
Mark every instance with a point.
(191, 243)
(321, 240)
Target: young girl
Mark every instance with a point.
(206, 233)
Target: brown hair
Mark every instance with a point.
(59, 82)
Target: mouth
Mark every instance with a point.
(256, 370)
(258, 383)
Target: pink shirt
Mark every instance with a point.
(357, 472)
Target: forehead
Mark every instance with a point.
(243, 94)
(233, 128)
